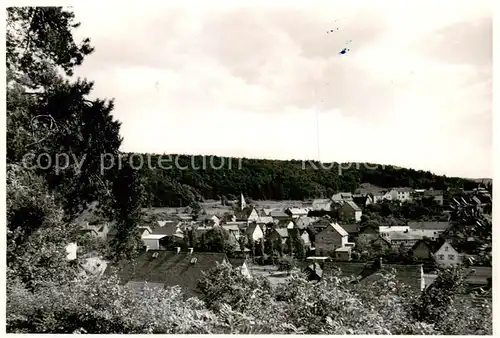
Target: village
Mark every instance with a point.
(275, 238)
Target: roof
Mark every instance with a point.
(403, 189)
(440, 226)
(169, 268)
(265, 219)
(339, 229)
(353, 205)
(303, 222)
(278, 213)
(409, 236)
(231, 227)
(251, 228)
(351, 228)
(297, 211)
(315, 268)
(433, 192)
(153, 236)
(479, 274)
(169, 229)
(321, 201)
(344, 249)
(283, 232)
(433, 246)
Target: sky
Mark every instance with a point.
(414, 89)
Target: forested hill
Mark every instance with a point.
(185, 178)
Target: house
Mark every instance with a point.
(368, 273)
(402, 194)
(321, 224)
(314, 272)
(93, 266)
(241, 265)
(286, 224)
(437, 195)
(96, 230)
(343, 254)
(322, 204)
(209, 220)
(248, 214)
(341, 197)
(350, 211)
(279, 215)
(429, 229)
(165, 234)
(407, 239)
(363, 200)
(303, 222)
(304, 235)
(265, 220)
(423, 249)
(254, 231)
(385, 231)
(380, 244)
(447, 256)
(378, 196)
(168, 268)
(266, 212)
(352, 229)
(368, 233)
(330, 239)
(279, 234)
(296, 212)
(233, 229)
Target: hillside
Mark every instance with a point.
(186, 178)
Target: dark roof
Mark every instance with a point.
(351, 228)
(433, 246)
(245, 213)
(251, 228)
(314, 268)
(369, 272)
(479, 275)
(237, 262)
(168, 229)
(429, 225)
(169, 268)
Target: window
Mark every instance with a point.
(441, 257)
(452, 257)
(446, 248)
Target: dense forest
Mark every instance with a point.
(191, 178)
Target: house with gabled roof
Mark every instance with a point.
(424, 249)
(279, 234)
(248, 214)
(341, 197)
(321, 224)
(330, 239)
(350, 211)
(296, 212)
(447, 256)
(407, 239)
(255, 232)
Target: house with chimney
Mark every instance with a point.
(322, 204)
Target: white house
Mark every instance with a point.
(447, 256)
(152, 241)
(322, 204)
(255, 232)
(399, 194)
(296, 212)
(384, 231)
(253, 216)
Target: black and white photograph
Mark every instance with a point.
(314, 167)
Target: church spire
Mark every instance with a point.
(243, 204)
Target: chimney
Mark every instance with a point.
(178, 249)
(190, 250)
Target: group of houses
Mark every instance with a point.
(324, 239)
